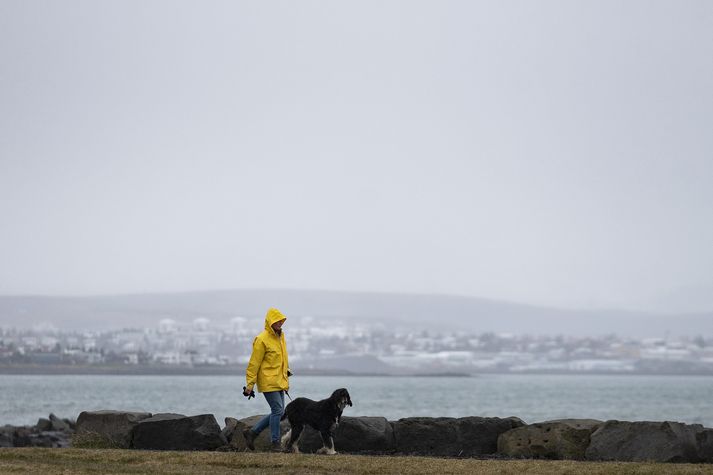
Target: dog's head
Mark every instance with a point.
(341, 398)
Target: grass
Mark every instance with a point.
(111, 461)
(93, 440)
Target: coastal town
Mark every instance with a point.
(320, 346)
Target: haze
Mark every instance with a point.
(554, 152)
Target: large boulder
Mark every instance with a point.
(461, 437)
(364, 434)
(704, 439)
(354, 435)
(110, 428)
(178, 432)
(645, 441)
(560, 439)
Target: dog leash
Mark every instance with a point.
(289, 373)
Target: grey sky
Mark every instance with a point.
(546, 152)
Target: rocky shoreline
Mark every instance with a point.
(51, 432)
(478, 437)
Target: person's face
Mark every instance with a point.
(277, 326)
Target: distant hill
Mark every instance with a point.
(434, 312)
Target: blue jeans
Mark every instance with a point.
(276, 400)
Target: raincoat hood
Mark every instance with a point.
(273, 315)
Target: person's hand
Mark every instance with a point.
(248, 394)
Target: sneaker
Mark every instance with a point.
(249, 438)
(276, 447)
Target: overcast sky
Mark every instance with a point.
(549, 152)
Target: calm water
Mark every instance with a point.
(533, 398)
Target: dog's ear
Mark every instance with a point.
(345, 395)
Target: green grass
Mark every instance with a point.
(109, 461)
(93, 440)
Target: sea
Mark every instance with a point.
(533, 398)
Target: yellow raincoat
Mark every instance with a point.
(268, 363)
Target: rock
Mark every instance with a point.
(7, 436)
(466, 436)
(53, 439)
(112, 428)
(565, 439)
(59, 424)
(704, 440)
(178, 432)
(235, 438)
(38, 440)
(229, 430)
(427, 435)
(364, 434)
(71, 423)
(44, 424)
(645, 441)
(354, 435)
(22, 436)
(263, 441)
(56, 439)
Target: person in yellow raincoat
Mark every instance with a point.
(269, 369)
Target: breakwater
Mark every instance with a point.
(481, 437)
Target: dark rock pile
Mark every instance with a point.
(50, 432)
(586, 439)
(486, 437)
(143, 430)
(465, 437)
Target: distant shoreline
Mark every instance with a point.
(189, 371)
(103, 370)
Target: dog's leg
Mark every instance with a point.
(327, 442)
(330, 446)
(295, 439)
(323, 449)
(285, 438)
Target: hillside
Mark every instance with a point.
(436, 312)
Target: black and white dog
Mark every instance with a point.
(323, 416)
